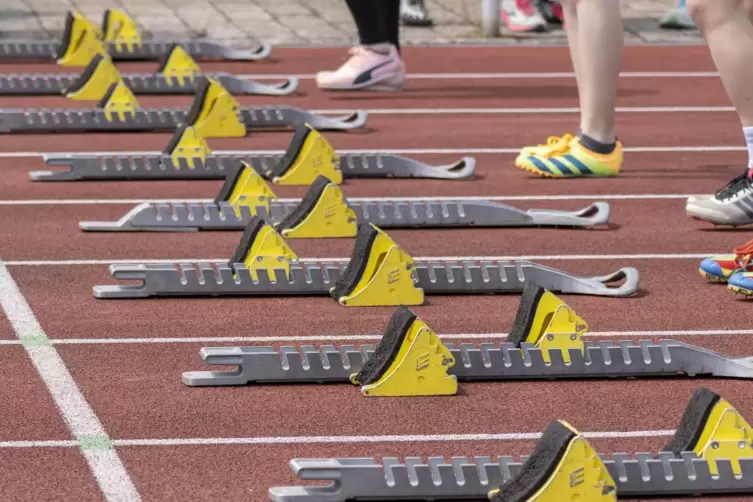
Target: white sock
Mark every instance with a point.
(748, 131)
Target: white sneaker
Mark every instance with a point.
(366, 69)
(521, 16)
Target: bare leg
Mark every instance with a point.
(570, 14)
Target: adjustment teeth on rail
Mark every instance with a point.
(214, 112)
(547, 323)
(410, 360)
(308, 156)
(262, 248)
(322, 213)
(95, 81)
(379, 273)
(187, 145)
(81, 41)
(563, 466)
(178, 63)
(714, 430)
(245, 187)
(119, 28)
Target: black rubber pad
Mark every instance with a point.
(105, 21)
(66, 40)
(86, 74)
(166, 57)
(107, 96)
(173, 143)
(307, 204)
(529, 301)
(230, 180)
(539, 467)
(198, 102)
(693, 421)
(249, 236)
(285, 162)
(357, 264)
(384, 355)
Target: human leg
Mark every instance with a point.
(728, 32)
(375, 64)
(595, 35)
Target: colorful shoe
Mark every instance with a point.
(551, 11)
(732, 205)
(720, 268)
(414, 13)
(565, 157)
(521, 16)
(366, 69)
(741, 282)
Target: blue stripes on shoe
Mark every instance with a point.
(539, 165)
(564, 169)
(578, 164)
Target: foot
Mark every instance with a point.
(677, 19)
(369, 68)
(414, 13)
(732, 205)
(566, 157)
(741, 282)
(521, 16)
(719, 268)
(550, 10)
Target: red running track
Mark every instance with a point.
(127, 356)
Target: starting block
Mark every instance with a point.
(214, 113)
(95, 81)
(346, 280)
(119, 37)
(562, 466)
(289, 168)
(262, 248)
(178, 73)
(527, 354)
(324, 212)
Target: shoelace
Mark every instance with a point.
(733, 187)
(557, 144)
(744, 254)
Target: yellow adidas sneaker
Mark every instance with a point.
(566, 157)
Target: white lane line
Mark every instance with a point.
(39, 263)
(399, 151)
(288, 440)
(511, 75)
(96, 446)
(62, 202)
(524, 110)
(368, 337)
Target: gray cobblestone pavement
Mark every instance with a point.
(303, 22)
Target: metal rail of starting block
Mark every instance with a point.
(639, 475)
(485, 361)
(311, 279)
(146, 50)
(196, 216)
(164, 119)
(146, 83)
(216, 166)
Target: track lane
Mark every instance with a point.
(644, 173)
(384, 131)
(58, 295)
(635, 229)
(426, 93)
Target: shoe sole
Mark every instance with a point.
(712, 278)
(375, 85)
(738, 289)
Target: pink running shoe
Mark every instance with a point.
(366, 69)
(522, 16)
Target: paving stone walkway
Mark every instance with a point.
(304, 22)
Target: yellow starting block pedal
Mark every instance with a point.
(409, 361)
(188, 145)
(562, 467)
(322, 213)
(81, 41)
(179, 64)
(713, 429)
(308, 156)
(214, 112)
(119, 27)
(379, 273)
(95, 81)
(118, 100)
(547, 322)
(244, 187)
(261, 247)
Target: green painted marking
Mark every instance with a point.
(35, 341)
(95, 442)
